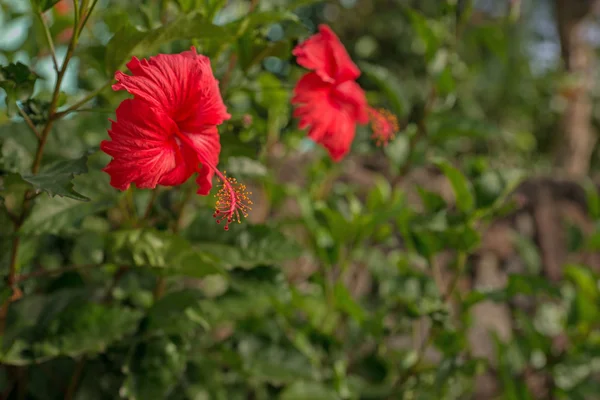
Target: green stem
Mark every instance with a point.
(87, 16)
(49, 40)
(29, 122)
(81, 102)
(76, 14)
(52, 109)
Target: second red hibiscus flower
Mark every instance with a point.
(329, 101)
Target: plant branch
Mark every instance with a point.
(13, 217)
(81, 102)
(49, 40)
(11, 280)
(72, 389)
(46, 272)
(76, 13)
(159, 289)
(87, 16)
(53, 103)
(29, 122)
(461, 261)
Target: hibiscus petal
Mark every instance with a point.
(340, 137)
(142, 147)
(183, 85)
(325, 54)
(330, 111)
(207, 145)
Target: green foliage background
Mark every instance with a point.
(355, 280)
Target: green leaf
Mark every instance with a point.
(18, 81)
(165, 253)
(271, 96)
(253, 21)
(175, 313)
(56, 178)
(463, 238)
(14, 156)
(433, 202)
(253, 52)
(130, 40)
(293, 4)
(43, 5)
(63, 324)
(257, 245)
(518, 284)
(584, 279)
(429, 32)
(444, 127)
(253, 300)
(186, 5)
(59, 214)
(89, 328)
(463, 191)
(155, 368)
(344, 301)
(276, 365)
(445, 82)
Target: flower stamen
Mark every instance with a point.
(384, 125)
(233, 201)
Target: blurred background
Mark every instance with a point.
(460, 261)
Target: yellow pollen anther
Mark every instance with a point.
(384, 125)
(233, 201)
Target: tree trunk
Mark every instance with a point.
(578, 138)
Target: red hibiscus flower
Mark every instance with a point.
(168, 131)
(329, 101)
